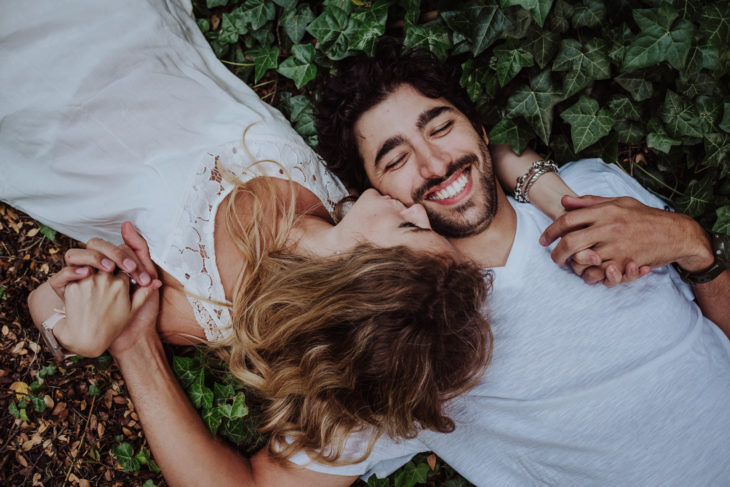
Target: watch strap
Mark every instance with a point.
(46, 329)
(721, 252)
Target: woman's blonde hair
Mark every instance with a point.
(374, 339)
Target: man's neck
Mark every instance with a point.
(491, 247)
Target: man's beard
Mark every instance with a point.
(456, 226)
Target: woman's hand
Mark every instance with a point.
(97, 310)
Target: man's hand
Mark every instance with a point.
(630, 237)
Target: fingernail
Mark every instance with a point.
(81, 271)
(144, 279)
(107, 264)
(543, 240)
(129, 265)
(595, 260)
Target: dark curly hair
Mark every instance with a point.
(361, 83)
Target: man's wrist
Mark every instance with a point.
(719, 250)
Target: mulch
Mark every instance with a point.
(60, 425)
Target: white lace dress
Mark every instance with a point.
(114, 111)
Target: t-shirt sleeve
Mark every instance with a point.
(386, 457)
(593, 176)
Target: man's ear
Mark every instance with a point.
(484, 135)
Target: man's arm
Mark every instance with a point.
(623, 228)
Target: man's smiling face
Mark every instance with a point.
(424, 150)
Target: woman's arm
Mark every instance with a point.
(185, 450)
(546, 193)
(547, 190)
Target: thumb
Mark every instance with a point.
(143, 294)
(576, 202)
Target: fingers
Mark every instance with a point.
(65, 276)
(122, 257)
(576, 202)
(587, 257)
(142, 294)
(140, 248)
(88, 257)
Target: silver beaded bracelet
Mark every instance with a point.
(525, 182)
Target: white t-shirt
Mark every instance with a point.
(588, 385)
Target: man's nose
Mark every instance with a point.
(433, 161)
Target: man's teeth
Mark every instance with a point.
(452, 189)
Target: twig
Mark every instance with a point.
(81, 443)
(233, 63)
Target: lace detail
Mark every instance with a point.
(190, 254)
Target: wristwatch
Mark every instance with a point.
(59, 353)
(721, 251)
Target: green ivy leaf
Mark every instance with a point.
(239, 409)
(510, 61)
(629, 132)
(433, 35)
(476, 79)
(374, 481)
(480, 22)
(295, 22)
(658, 139)
(257, 12)
(47, 371)
(590, 13)
(149, 483)
(223, 392)
(725, 122)
(233, 25)
(286, 4)
(216, 3)
(200, 394)
(660, 39)
(185, 370)
(715, 24)
(48, 232)
(366, 27)
(300, 66)
(39, 405)
(543, 45)
(696, 197)
(708, 109)
(560, 18)
(212, 419)
(717, 152)
(680, 117)
(329, 25)
(538, 8)
(264, 58)
(588, 124)
(535, 104)
(622, 107)
(511, 132)
(411, 474)
(637, 84)
(585, 62)
(722, 224)
(125, 456)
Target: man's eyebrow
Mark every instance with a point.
(430, 114)
(387, 146)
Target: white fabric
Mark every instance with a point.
(114, 111)
(589, 385)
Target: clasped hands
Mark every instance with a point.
(618, 240)
(103, 310)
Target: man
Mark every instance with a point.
(587, 385)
